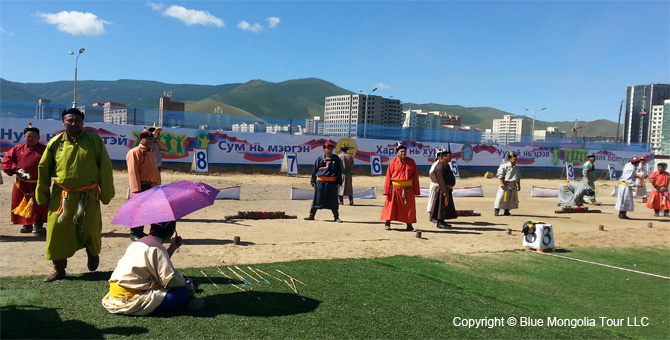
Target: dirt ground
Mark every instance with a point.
(208, 237)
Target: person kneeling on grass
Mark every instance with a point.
(145, 280)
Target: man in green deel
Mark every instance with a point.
(82, 172)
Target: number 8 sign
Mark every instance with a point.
(376, 165)
(200, 163)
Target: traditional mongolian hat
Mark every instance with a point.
(439, 152)
(329, 145)
(72, 111)
(146, 134)
(635, 160)
(30, 128)
(511, 154)
(591, 155)
(643, 158)
(400, 146)
(344, 148)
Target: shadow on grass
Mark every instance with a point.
(90, 276)
(32, 322)
(243, 304)
(27, 238)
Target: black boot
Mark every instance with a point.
(496, 212)
(666, 213)
(93, 260)
(312, 212)
(341, 199)
(507, 212)
(441, 224)
(59, 271)
(622, 215)
(656, 211)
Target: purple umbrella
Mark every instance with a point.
(165, 203)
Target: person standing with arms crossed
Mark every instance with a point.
(81, 169)
(402, 184)
(507, 197)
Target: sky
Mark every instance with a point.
(575, 58)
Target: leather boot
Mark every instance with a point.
(93, 261)
(59, 271)
(341, 198)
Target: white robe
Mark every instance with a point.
(147, 269)
(624, 200)
(640, 183)
(571, 195)
(432, 188)
(509, 174)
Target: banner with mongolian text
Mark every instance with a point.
(237, 148)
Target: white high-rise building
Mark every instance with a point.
(509, 129)
(344, 116)
(656, 127)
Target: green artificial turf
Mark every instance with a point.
(388, 298)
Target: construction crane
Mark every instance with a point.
(575, 129)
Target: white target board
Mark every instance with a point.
(454, 169)
(200, 162)
(542, 237)
(612, 172)
(289, 164)
(376, 165)
(570, 171)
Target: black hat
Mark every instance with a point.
(30, 128)
(72, 111)
(662, 164)
(163, 230)
(511, 154)
(344, 148)
(151, 129)
(400, 146)
(591, 155)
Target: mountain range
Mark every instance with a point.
(297, 99)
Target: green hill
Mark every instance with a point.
(296, 99)
(300, 99)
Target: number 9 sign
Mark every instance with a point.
(376, 165)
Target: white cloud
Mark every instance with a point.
(273, 22)
(382, 86)
(190, 16)
(3, 31)
(245, 26)
(156, 6)
(76, 23)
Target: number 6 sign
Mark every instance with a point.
(376, 165)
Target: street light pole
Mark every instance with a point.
(365, 122)
(532, 142)
(76, 59)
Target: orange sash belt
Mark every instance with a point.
(326, 178)
(65, 192)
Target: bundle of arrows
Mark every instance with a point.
(576, 210)
(243, 279)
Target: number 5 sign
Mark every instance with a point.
(200, 163)
(454, 169)
(376, 165)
